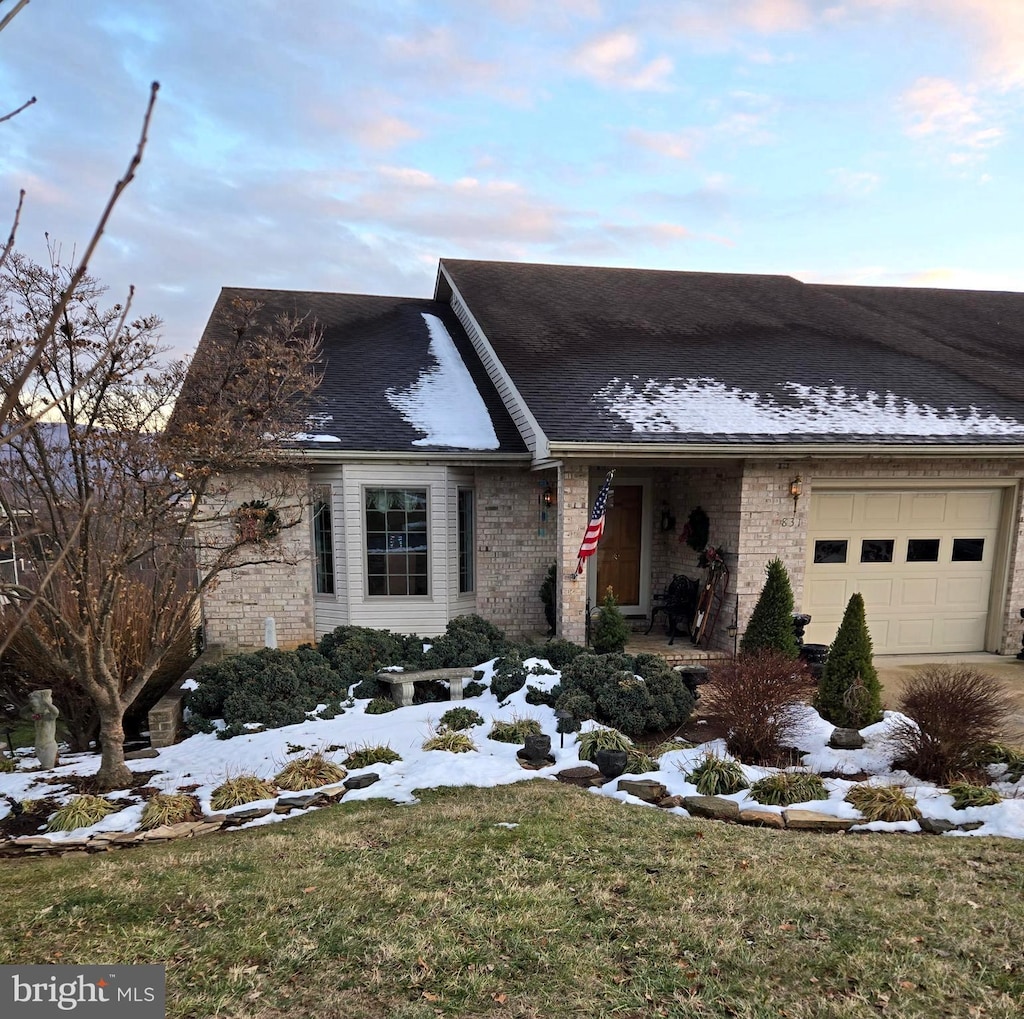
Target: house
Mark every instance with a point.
(873, 438)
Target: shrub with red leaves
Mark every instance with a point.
(954, 711)
(758, 698)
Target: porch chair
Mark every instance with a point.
(679, 602)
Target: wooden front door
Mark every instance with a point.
(618, 555)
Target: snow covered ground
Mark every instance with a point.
(204, 762)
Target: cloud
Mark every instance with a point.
(855, 183)
(939, 109)
(674, 145)
(612, 60)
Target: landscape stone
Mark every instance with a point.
(300, 801)
(764, 818)
(670, 801)
(936, 825)
(141, 755)
(361, 781)
(813, 820)
(250, 813)
(582, 776)
(644, 789)
(716, 807)
(846, 739)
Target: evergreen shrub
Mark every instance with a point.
(849, 693)
(270, 687)
(633, 695)
(460, 718)
(509, 676)
(611, 631)
(467, 640)
(560, 652)
(771, 623)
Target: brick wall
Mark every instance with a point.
(515, 547)
(573, 502)
(235, 608)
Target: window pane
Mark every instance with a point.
(323, 542)
(968, 550)
(467, 541)
(396, 524)
(830, 551)
(923, 550)
(876, 550)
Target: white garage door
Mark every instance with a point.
(922, 560)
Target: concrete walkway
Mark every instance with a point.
(895, 670)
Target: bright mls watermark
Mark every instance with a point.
(86, 992)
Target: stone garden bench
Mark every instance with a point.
(401, 683)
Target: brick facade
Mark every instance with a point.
(515, 547)
(751, 516)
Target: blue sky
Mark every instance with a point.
(344, 145)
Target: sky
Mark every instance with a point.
(200, 763)
(345, 146)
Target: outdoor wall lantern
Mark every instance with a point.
(668, 521)
(796, 489)
(547, 495)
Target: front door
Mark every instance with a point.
(619, 553)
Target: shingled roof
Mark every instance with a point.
(383, 359)
(607, 355)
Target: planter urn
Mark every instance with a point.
(611, 763)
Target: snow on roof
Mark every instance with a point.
(444, 402)
(706, 406)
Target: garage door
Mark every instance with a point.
(922, 560)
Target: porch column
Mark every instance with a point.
(573, 516)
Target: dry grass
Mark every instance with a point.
(239, 789)
(81, 812)
(309, 772)
(415, 912)
(452, 740)
(168, 808)
(883, 802)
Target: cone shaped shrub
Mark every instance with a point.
(849, 693)
(771, 624)
(611, 631)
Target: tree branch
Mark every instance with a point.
(8, 18)
(24, 106)
(33, 360)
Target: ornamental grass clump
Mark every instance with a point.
(365, 757)
(953, 714)
(639, 763)
(1000, 753)
(717, 776)
(515, 730)
(788, 787)
(7, 764)
(602, 739)
(760, 699)
(168, 808)
(81, 812)
(239, 789)
(309, 772)
(451, 740)
(883, 802)
(670, 746)
(967, 794)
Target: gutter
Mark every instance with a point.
(708, 450)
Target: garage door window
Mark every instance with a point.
(922, 550)
(830, 551)
(876, 550)
(968, 550)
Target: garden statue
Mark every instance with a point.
(44, 714)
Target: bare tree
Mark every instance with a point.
(105, 498)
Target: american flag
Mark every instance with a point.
(596, 526)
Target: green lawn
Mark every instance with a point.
(587, 908)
